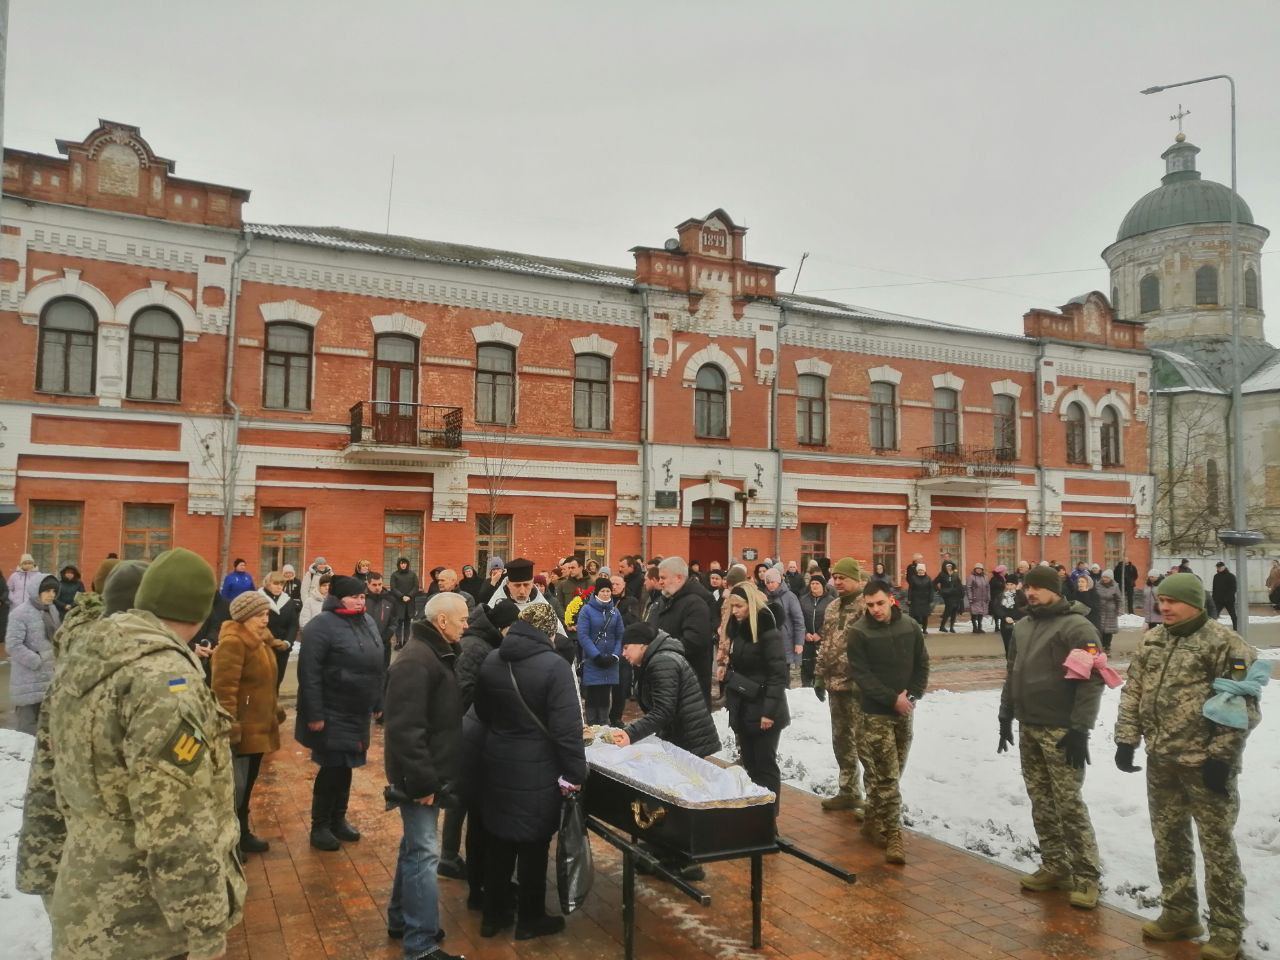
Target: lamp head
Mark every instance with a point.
(1150, 90)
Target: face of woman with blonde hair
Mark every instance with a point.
(738, 607)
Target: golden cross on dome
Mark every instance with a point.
(1179, 115)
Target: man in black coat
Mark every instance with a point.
(668, 693)
(423, 758)
(1126, 574)
(684, 611)
(1224, 592)
(632, 571)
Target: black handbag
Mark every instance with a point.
(744, 687)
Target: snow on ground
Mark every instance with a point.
(22, 917)
(959, 790)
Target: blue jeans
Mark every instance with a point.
(415, 904)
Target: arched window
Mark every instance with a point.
(811, 409)
(1251, 289)
(1077, 448)
(155, 355)
(1149, 293)
(1207, 286)
(1212, 498)
(946, 419)
(1005, 426)
(495, 383)
(590, 392)
(1110, 437)
(68, 348)
(286, 380)
(710, 403)
(884, 416)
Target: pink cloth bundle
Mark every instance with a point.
(1081, 664)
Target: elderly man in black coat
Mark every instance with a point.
(527, 698)
(423, 760)
(684, 612)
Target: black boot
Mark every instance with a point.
(248, 842)
(338, 823)
(322, 800)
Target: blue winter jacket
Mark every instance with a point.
(595, 637)
(235, 584)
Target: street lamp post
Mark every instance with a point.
(1240, 537)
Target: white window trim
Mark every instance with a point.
(714, 355)
(1007, 386)
(815, 366)
(594, 344)
(949, 381)
(398, 323)
(291, 311)
(886, 374)
(497, 332)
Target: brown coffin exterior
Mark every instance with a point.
(701, 834)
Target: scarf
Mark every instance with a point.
(1227, 707)
(1055, 609)
(1187, 627)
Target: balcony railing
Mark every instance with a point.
(382, 423)
(963, 460)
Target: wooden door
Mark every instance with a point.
(395, 391)
(709, 532)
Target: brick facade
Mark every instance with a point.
(643, 350)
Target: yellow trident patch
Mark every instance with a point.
(185, 748)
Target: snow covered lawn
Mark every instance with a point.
(22, 918)
(959, 790)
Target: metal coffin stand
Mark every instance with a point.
(623, 815)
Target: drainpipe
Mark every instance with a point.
(1040, 440)
(645, 454)
(230, 450)
(773, 436)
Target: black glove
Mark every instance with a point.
(1006, 735)
(604, 660)
(1076, 746)
(1215, 774)
(1124, 758)
(820, 693)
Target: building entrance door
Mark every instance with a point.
(709, 532)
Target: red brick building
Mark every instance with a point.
(177, 376)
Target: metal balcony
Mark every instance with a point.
(961, 462)
(381, 429)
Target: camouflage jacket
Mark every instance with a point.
(144, 791)
(86, 611)
(1170, 679)
(833, 652)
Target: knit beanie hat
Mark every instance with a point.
(639, 634)
(604, 583)
(847, 567)
(99, 581)
(345, 587)
(818, 578)
(179, 585)
(248, 605)
(122, 586)
(540, 616)
(1046, 578)
(735, 575)
(1186, 587)
(504, 614)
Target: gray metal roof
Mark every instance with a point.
(1266, 379)
(1183, 197)
(1205, 363)
(831, 308)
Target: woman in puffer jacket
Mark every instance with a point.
(1150, 601)
(600, 637)
(28, 639)
(756, 684)
(978, 593)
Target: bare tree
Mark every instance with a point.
(221, 458)
(499, 466)
(1192, 489)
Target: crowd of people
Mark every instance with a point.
(175, 679)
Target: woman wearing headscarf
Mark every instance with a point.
(878, 572)
(1151, 614)
(339, 690)
(527, 699)
(1086, 595)
(1111, 604)
(22, 579)
(70, 586)
(950, 586)
(756, 685)
(244, 681)
(978, 595)
(471, 582)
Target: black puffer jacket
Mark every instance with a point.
(764, 663)
(480, 638)
(521, 764)
(384, 610)
(814, 610)
(424, 718)
(919, 594)
(668, 694)
(339, 680)
(686, 615)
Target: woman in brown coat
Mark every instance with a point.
(244, 681)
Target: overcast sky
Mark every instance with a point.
(896, 143)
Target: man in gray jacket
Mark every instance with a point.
(1055, 716)
(791, 624)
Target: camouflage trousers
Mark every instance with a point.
(883, 743)
(846, 719)
(1176, 795)
(1065, 832)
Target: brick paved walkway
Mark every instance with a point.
(944, 903)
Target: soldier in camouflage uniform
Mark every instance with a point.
(142, 782)
(889, 664)
(1192, 763)
(1055, 716)
(842, 694)
(40, 842)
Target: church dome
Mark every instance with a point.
(1182, 198)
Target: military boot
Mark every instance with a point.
(872, 833)
(1046, 879)
(841, 801)
(1085, 894)
(1221, 946)
(1172, 926)
(893, 852)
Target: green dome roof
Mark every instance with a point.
(1182, 198)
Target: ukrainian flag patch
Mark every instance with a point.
(178, 685)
